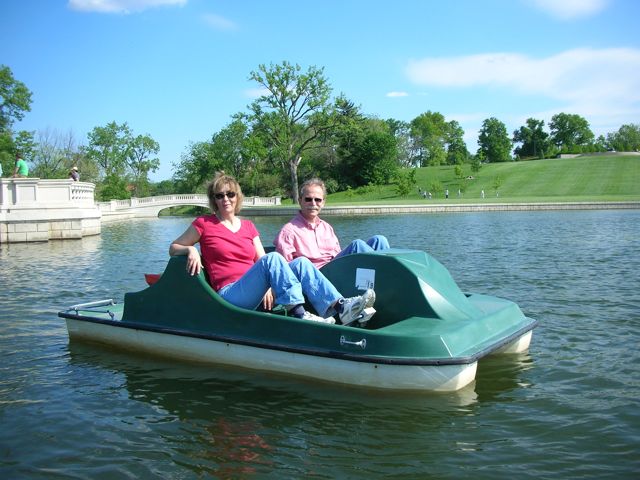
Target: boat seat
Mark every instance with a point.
(408, 283)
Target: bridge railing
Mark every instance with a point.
(30, 193)
(131, 204)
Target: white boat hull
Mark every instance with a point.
(519, 345)
(440, 378)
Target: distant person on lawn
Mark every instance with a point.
(307, 235)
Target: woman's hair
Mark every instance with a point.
(218, 184)
(313, 181)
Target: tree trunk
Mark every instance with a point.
(293, 167)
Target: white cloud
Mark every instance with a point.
(120, 6)
(570, 9)
(218, 22)
(581, 75)
(602, 85)
(397, 94)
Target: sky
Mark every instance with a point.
(178, 70)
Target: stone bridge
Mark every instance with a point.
(37, 210)
(151, 206)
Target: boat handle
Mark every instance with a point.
(362, 343)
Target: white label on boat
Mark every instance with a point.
(365, 278)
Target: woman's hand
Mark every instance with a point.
(194, 264)
(267, 300)
(184, 245)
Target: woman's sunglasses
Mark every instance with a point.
(220, 196)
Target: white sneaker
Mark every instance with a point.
(353, 306)
(315, 318)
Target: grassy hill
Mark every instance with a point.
(590, 178)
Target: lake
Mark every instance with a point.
(567, 409)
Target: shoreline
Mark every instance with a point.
(445, 208)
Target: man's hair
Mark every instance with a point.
(311, 182)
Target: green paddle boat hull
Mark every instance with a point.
(426, 333)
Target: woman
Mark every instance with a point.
(241, 272)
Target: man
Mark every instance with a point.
(73, 174)
(307, 235)
(22, 169)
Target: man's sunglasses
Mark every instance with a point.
(311, 199)
(220, 196)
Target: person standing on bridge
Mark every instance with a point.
(22, 169)
(307, 235)
(73, 174)
(244, 275)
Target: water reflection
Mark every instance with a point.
(242, 422)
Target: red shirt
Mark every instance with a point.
(226, 255)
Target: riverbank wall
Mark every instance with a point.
(347, 210)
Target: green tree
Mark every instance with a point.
(570, 132)
(429, 133)
(15, 100)
(109, 147)
(457, 152)
(402, 132)
(196, 168)
(140, 162)
(123, 161)
(234, 149)
(293, 114)
(370, 155)
(626, 139)
(405, 181)
(494, 141)
(533, 139)
(497, 183)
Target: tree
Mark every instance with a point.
(195, 168)
(119, 155)
(402, 132)
(293, 113)
(494, 142)
(370, 156)
(139, 161)
(497, 183)
(234, 149)
(457, 152)
(429, 131)
(534, 140)
(109, 147)
(15, 99)
(54, 154)
(569, 132)
(626, 139)
(405, 181)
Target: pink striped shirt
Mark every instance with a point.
(299, 238)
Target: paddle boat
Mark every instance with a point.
(426, 334)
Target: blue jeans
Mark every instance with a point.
(375, 243)
(290, 282)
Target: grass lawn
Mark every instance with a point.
(596, 178)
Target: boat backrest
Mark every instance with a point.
(407, 283)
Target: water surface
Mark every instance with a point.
(567, 409)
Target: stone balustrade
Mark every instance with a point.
(149, 207)
(34, 210)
